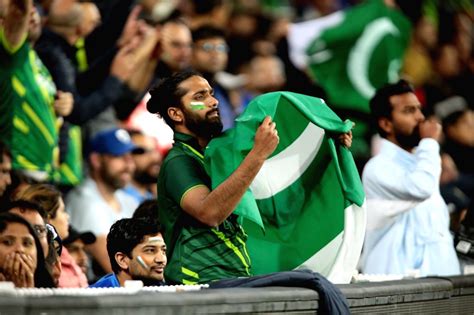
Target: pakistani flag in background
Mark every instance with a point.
(351, 53)
(305, 207)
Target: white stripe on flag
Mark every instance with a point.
(338, 260)
(283, 169)
(300, 35)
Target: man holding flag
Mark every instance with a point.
(205, 241)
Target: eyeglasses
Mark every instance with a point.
(40, 229)
(208, 47)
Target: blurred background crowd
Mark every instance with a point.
(82, 151)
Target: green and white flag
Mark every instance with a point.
(351, 53)
(305, 207)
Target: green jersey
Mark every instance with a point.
(70, 170)
(27, 118)
(197, 253)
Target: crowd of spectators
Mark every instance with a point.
(74, 73)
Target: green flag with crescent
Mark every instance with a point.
(305, 207)
(351, 53)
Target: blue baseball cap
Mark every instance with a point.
(112, 141)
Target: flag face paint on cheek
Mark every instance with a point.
(142, 263)
(197, 105)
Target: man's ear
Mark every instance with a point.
(176, 114)
(122, 260)
(94, 159)
(385, 124)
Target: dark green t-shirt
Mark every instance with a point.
(197, 253)
(27, 118)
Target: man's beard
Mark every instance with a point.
(409, 141)
(112, 180)
(206, 128)
(143, 177)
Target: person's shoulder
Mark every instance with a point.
(108, 281)
(84, 192)
(86, 186)
(374, 161)
(386, 152)
(176, 151)
(376, 166)
(126, 199)
(51, 39)
(176, 156)
(131, 191)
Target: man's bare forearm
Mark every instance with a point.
(221, 202)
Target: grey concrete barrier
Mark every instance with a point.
(436, 295)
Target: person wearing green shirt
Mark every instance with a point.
(27, 118)
(205, 241)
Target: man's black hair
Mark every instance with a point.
(453, 119)
(24, 205)
(201, 7)
(380, 106)
(125, 235)
(167, 94)
(148, 209)
(207, 32)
